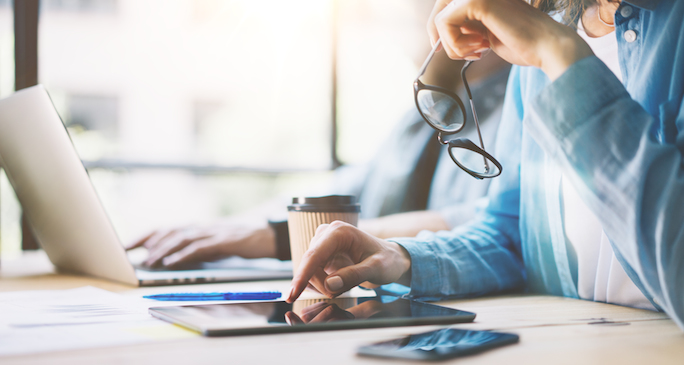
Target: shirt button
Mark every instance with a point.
(626, 11)
(630, 36)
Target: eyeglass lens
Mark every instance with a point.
(441, 110)
(473, 161)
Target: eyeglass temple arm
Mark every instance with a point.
(472, 107)
(429, 58)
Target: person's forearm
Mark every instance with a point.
(404, 224)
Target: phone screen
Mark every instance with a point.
(441, 344)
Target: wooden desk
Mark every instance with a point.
(552, 330)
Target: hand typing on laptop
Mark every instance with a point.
(197, 243)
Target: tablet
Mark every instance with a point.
(308, 315)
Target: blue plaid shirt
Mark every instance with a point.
(620, 145)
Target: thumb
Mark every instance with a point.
(351, 276)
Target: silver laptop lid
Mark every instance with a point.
(54, 189)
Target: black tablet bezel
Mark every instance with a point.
(174, 315)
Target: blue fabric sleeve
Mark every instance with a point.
(482, 256)
(474, 259)
(627, 166)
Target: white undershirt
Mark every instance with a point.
(600, 276)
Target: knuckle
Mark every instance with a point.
(341, 227)
(343, 235)
(203, 244)
(309, 253)
(441, 27)
(376, 263)
(203, 247)
(170, 237)
(440, 18)
(185, 241)
(321, 228)
(338, 224)
(190, 250)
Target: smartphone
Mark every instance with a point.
(439, 345)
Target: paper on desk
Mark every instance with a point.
(67, 307)
(59, 320)
(41, 339)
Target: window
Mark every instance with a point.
(192, 109)
(90, 6)
(187, 110)
(93, 123)
(6, 48)
(379, 44)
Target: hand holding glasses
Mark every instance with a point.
(443, 110)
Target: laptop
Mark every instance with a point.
(65, 212)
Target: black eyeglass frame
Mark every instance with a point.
(470, 145)
(459, 142)
(419, 85)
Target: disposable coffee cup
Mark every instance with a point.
(306, 214)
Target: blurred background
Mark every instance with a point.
(188, 110)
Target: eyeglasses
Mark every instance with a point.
(443, 110)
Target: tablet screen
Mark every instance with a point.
(308, 315)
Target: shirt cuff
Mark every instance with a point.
(424, 267)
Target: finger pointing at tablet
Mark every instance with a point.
(367, 258)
